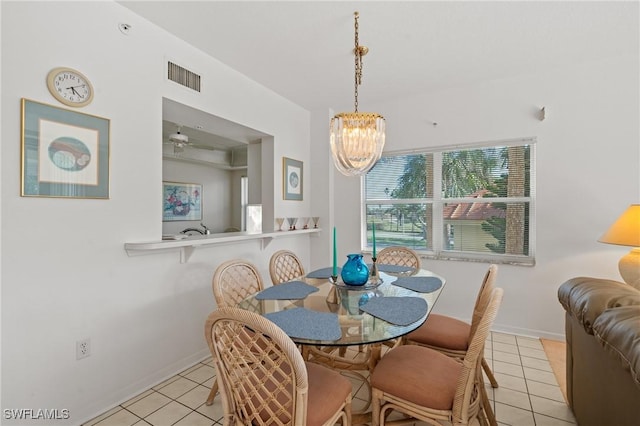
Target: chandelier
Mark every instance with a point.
(357, 138)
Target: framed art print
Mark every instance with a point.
(181, 201)
(64, 153)
(292, 179)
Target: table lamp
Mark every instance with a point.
(625, 231)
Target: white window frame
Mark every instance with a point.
(438, 252)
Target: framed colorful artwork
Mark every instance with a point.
(181, 201)
(292, 179)
(64, 153)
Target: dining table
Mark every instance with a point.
(321, 314)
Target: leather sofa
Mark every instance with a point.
(602, 325)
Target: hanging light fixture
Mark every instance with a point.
(357, 138)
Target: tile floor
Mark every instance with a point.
(528, 395)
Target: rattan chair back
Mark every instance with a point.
(469, 393)
(483, 297)
(398, 255)
(235, 280)
(284, 266)
(263, 378)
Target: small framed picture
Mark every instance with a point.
(292, 188)
(181, 201)
(64, 153)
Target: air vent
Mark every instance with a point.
(183, 76)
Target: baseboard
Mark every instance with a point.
(116, 398)
(527, 332)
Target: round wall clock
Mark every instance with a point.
(70, 87)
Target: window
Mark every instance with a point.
(473, 202)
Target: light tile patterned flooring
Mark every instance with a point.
(528, 395)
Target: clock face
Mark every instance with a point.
(70, 87)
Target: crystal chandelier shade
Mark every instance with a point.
(356, 138)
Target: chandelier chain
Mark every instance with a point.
(358, 65)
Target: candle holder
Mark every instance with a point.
(374, 276)
(333, 297)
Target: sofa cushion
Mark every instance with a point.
(618, 331)
(586, 298)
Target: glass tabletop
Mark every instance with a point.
(357, 327)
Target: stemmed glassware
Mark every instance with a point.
(280, 221)
(292, 223)
(305, 222)
(315, 221)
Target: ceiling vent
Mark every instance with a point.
(183, 76)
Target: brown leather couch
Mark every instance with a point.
(603, 351)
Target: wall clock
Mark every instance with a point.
(70, 87)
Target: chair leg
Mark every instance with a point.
(212, 394)
(376, 399)
(489, 373)
(485, 403)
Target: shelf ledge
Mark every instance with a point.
(188, 245)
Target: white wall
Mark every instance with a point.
(588, 172)
(65, 273)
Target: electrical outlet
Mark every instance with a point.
(83, 348)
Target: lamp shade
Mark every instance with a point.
(625, 231)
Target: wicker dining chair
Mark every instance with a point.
(427, 385)
(232, 282)
(398, 255)
(263, 378)
(451, 336)
(284, 266)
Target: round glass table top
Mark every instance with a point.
(357, 327)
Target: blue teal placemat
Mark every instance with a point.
(306, 324)
(396, 310)
(322, 273)
(393, 268)
(287, 291)
(419, 284)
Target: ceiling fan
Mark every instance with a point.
(180, 140)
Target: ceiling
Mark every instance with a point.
(304, 50)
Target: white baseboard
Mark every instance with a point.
(526, 332)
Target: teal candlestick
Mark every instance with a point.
(374, 239)
(335, 254)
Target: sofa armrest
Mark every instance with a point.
(585, 298)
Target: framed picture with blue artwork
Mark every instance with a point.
(181, 201)
(292, 179)
(64, 153)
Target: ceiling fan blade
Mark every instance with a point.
(200, 146)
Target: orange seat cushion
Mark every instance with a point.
(328, 390)
(442, 332)
(419, 375)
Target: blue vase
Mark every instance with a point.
(355, 271)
